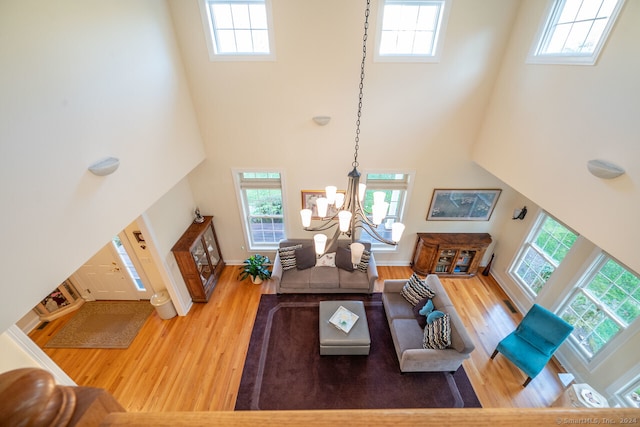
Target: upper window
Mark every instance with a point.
(395, 186)
(605, 302)
(542, 252)
(260, 194)
(411, 30)
(238, 29)
(575, 31)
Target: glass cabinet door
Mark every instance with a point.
(202, 262)
(464, 261)
(212, 248)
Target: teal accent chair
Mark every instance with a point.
(534, 341)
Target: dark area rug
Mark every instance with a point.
(284, 369)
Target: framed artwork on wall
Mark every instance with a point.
(309, 198)
(462, 205)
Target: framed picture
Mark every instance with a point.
(462, 205)
(309, 198)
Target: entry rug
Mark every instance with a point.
(284, 369)
(103, 324)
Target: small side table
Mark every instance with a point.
(581, 396)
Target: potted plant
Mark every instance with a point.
(256, 267)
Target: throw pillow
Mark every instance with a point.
(343, 259)
(305, 257)
(433, 316)
(427, 309)
(415, 289)
(437, 335)
(288, 257)
(327, 260)
(364, 261)
(422, 304)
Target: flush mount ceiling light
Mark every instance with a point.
(322, 120)
(351, 215)
(105, 166)
(603, 169)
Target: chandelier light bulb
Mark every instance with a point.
(356, 252)
(322, 204)
(339, 200)
(379, 212)
(320, 241)
(305, 214)
(330, 193)
(396, 231)
(345, 220)
(361, 189)
(378, 197)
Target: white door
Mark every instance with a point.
(104, 277)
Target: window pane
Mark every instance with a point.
(240, 27)
(226, 41)
(607, 303)
(240, 14)
(221, 14)
(258, 16)
(409, 28)
(577, 36)
(555, 240)
(534, 270)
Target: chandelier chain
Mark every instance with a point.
(355, 163)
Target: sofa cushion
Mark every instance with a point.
(323, 278)
(437, 335)
(363, 265)
(288, 257)
(327, 260)
(407, 333)
(343, 259)
(305, 257)
(353, 279)
(415, 289)
(297, 279)
(397, 307)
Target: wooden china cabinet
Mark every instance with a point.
(199, 259)
(449, 254)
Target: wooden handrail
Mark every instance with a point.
(29, 396)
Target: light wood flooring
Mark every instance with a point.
(194, 363)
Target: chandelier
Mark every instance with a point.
(352, 217)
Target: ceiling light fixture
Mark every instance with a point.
(351, 215)
(604, 169)
(105, 166)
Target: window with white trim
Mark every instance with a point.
(604, 303)
(411, 30)
(575, 31)
(260, 194)
(630, 395)
(395, 186)
(238, 29)
(542, 252)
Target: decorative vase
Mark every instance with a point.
(256, 280)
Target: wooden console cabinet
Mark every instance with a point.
(449, 254)
(199, 259)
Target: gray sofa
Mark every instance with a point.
(322, 279)
(408, 335)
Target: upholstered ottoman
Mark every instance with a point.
(336, 342)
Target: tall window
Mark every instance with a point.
(542, 253)
(238, 29)
(261, 201)
(604, 304)
(395, 186)
(411, 30)
(575, 31)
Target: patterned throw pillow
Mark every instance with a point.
(288, 257)
(364, 261)
(327, 260)
(437, 335)
(415, 289)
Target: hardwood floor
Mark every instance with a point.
(194, 363)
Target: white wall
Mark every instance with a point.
(416, 117)
(80, 81)
(545, 122)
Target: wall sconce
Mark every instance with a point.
(520, 213)
(105, 166)
(603, 169)
(322, 120)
